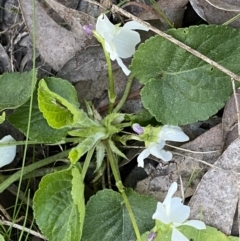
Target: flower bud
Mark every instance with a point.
(137, 128)
(88, 28)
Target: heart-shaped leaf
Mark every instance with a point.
(107, 217)
(179, 87)
(12, 97)
(56, 210)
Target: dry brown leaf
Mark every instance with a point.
(230, 120)
(5, 61)
(174, 11)
(90, 75)
(75, 19)
(217, 12)
(55, 44)
(233, 6)
(216, 197)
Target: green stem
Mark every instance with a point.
(125, 94)
(14, 177)
(111, 90)
(121, 189)
(19, 143)
(87, 162)
(34, 76)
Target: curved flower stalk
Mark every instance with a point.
(173, 212)
(155, 139)
(7, 153)
(120, 42)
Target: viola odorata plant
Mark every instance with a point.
(174, 213)
(155, 139)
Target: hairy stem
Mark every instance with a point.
(87, 162)
(111, 90)
(125, 94)
(121, 189)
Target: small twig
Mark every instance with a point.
(96, 3)
(207, 164)
(177, 42)
(5, 213)
(195, 152)
(175, 147)
(182, 191)
(9, 28)
(10, 224)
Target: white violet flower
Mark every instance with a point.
(7, 153)
(155, 139)
(172, 211)
(120, 42)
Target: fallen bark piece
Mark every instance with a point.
(216, 197)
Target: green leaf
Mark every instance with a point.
(116, 150)
(55, 211)
(1, 238)
(58, 111)
(78, 193)
(208, 234)
(2, 117)
(100, 154)
(143, 118)
(179, 87)
(112, 121)
(232, 238)
(40, 131)
(16, 89)
(107, 217)
(84, 146)
(55, 108)
(63, 88)
(87, 131)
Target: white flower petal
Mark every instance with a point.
(123, 66)
(161, 143)
(120, 42)
(196, 224)
(160, 214)
(172, 133)
(7, 153)
(166, 155)
(103, 25)
(168, 199)
(109, 45)
(160, 153)
(179, 212)
(144, 154)
(135, 25)
(125, 42)
(178, 236)
(172, 189)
